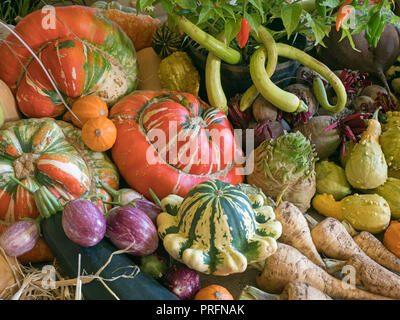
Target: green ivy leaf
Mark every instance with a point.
(167, 6)
(142, 4)
(290, 16)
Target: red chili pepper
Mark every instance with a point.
(343, 13)
(243, 34)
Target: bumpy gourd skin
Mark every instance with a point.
(364, 212)
(390, 143)
(390, 191)
(366, 167)
(331, 179)
(216, 230)
(367, 212)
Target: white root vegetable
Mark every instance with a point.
(332, 239)
(288, 264)
(295, 231)
(377, 251)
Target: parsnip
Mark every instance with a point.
(295, 231)
(288, 264)
(377, 251)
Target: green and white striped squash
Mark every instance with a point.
(216, 230)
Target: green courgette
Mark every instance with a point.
(141, 287)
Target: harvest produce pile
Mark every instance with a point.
(212, 151)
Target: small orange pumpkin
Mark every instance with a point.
(99, 134)
(88, 107)
(213, 292)
(67, 116)
(391, 238)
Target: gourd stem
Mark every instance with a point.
(22, 185)
(207, 41)
(155, 197)
(109, 190)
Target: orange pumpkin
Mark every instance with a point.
(88, 107)
(99, 134)
(391, 238)
(213, 292)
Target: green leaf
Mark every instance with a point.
(167, 6)
(254, 21)
(232, 28)
(258, 5)
(290, 16)
(330, 3)
(187, 4)
(142, 4)
(205, 14)
(229, 10)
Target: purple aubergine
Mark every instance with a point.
(19, 238)
(129, 227)
(183, 282)
(83, 222)
(151, 209)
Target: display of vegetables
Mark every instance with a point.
(295, 175)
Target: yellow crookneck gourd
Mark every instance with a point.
(366, 167)
(364, 212)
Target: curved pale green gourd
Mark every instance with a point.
(216, 230)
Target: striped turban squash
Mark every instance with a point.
(47, 152)
(215, 230)
(170, 141)
(83, 52)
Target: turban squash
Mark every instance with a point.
(84, 52)
(51, 153)
(169, 141)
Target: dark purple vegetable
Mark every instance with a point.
(183, 282)
(131, 227)
(19, 238)
(154, 265)
(375, 61)
(83, 222)
(151, 209)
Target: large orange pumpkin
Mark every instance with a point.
(191, 151)
(84, 52)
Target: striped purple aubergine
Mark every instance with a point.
(19, 238)
(83, 222)
(129, 227)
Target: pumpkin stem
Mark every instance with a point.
(109, 190)
(97, 132)
(22, 185)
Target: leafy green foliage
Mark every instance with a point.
(313, 19)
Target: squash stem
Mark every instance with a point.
(155, 197)
(22, 185)
(109, 190)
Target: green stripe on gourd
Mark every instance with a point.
(216, 230)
